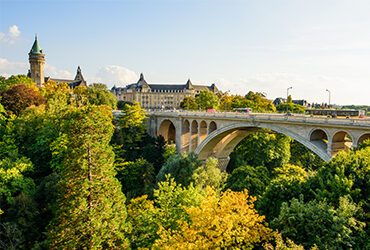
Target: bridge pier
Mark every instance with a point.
(223, 162)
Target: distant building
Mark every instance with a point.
(159, 96)
(281, 100)
(37, 64)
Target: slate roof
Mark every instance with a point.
(36, 48)
(157, 87)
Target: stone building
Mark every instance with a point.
(37, 73)
(159, 96)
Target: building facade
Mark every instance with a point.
(37, 72)
(159, 96)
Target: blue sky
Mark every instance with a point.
(263, 46)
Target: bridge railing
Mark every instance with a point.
(268, 116)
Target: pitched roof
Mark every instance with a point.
(36, 48)
(167, 86)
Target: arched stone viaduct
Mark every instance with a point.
(217, 134)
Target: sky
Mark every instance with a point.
(262, 45)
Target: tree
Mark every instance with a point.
(165, 211)
(6, 84)
(181, 168)
(225, 102)
(37, 128)
(292, 107)
(91, 211)
(347, 173)
(304, 157)
(169, 150)
(132, 115)
(19, 97)
(209, 175)
(137, 178)
(207, 100)
(14, 167)
(229, 221)
(121, 104)
(317, 223)
(99, 94)
(256, 101)
(289, 100)
(262, 149)
(254, 179)
(58, 95)
(289, 182)
(189, 103)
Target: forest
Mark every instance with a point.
(72, 176)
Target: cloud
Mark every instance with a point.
(12, 35)
(8, 68)
(14, 31)
(115, 75)
(54, 72)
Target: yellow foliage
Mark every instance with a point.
(229, 221)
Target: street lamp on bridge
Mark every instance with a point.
(226, 100)
(287, 95)
(329, 96)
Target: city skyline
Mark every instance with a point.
(243, 46)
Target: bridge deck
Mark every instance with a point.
(353, 122)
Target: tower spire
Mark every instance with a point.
(37, 61)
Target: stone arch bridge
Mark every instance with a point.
(217, 134)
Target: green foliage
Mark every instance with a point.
(189, 103)
(19, 97)
(288, 183)
(209, 175)
(280, 244)
(225, 221)
(23, 211)
(289, 100)
(225, 102)
(256, 101)
(317, 223)
(169, 150)
(207, 100)
(137, 178)
(181, 168)
(131, 141)
(347, 174)
(292, 107)
(91, 212)
(13, 166)
(6, 84)
(303, 157)
(132, 116)
(263, 149)
(11, 236)
(98, 94)
(37, 129)
(165, 211)
(254, 179)
(121, 104)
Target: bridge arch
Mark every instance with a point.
(341, 140)
(185, 133)
(194, 135)
(363, 138)
(212, 127)
(319, 137)
(202, 130)
(167, 129)
(221, 142)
